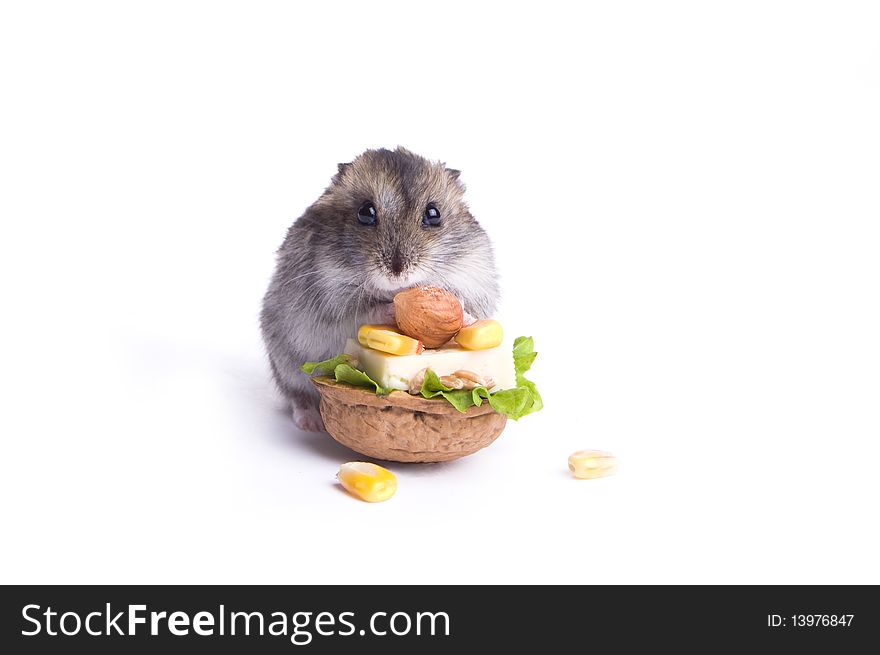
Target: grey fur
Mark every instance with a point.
(334, 274)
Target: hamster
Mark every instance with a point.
(389, 220)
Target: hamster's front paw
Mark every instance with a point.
(307, 418)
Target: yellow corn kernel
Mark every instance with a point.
(364, 330)
(367, 481)
(589, 464)
(386, 339)
(480, 335)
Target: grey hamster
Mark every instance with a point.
(389, 220)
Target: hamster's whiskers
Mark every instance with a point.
(361, 288)
(294, 279)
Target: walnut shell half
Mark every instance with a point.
(404, 428)
(429, 314)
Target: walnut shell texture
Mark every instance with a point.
(429, 314)
(404, 428)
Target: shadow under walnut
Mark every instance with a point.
(404, 428)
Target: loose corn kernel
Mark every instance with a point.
(386, 339)
(589, 464)
(480, 335)
(367, 481)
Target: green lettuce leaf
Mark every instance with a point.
(513, 403)
(350, 375)
(525, 399)
(328, 365)
(459, 398)
(341, 369)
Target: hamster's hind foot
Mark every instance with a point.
(307, 418)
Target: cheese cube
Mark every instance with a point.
(394, 371)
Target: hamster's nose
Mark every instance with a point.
(396, 263)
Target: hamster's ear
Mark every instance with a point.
(342, 167)
(453, 174)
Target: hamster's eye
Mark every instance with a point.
(367, 214)
(432, 216)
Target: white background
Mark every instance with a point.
(685, 205)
